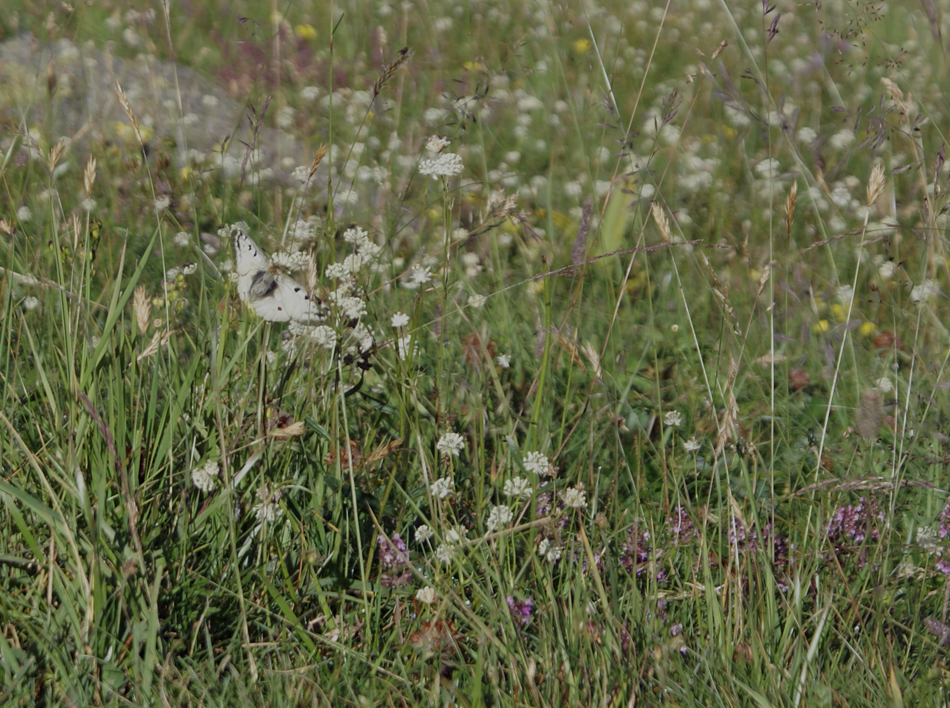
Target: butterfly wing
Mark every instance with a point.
(250, 262)
(285, 300)
(275, 297)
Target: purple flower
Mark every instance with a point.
(521, 610)
(943, 522)
(943, 566)
(392, 554)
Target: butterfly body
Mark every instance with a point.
(274, 296)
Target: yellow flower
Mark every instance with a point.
(867, 329)
(821, 326)
(581, 46)
(839, 312)
(473, 66)
(185, 173)
(305, 32)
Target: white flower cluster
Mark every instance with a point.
(268, 509)
(442, 487)
(419, 275)
(445, 165)
(518, 488)
(203, 477)
(290, 261)
(450, 444)
(499, 517)
(536, 462)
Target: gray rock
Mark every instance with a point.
(186, 113)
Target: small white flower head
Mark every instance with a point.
(518, 488)
(418, 276)
(426, 595)
(450, 444)
(182, 239)
(692, 445)
(574, 497)
(673, 419)
(924, 291)
(887, 269)
(499, 517)
(476, 301)
(442, 487)
(351, 307)
(436, 144)
(444, 553)
(536, 462)
(549, 551)
(161, 204)
(354, 263)
(298, 260)
(424, 533)
(400, 320)
(88, 205)
(203, 477)
(447, 164)
(267, 509)
(504, 361)
(356, 236)
(301, 174)
(337, 271)
(24, 214)
(30, 302)
(323, 337)
(189, 269)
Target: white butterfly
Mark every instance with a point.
(274, 296)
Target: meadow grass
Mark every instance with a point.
(640, 399)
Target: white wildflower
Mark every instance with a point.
(424, 533)
(476, 301)
(450, 444)
(203, 477)
(574, 497)
(268, 509)
(499, 517)
(181, 239)
(673, 419)
(418, 276)
(337, 271)
(323, 337)
(442, 487)
(426, 595)
(692, 445)
(549, 551)
(447, 164)
(504, 361)
(536, 462)
(24, 214)
(400, 320)
(518, 488)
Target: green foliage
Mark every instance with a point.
(646, 404)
